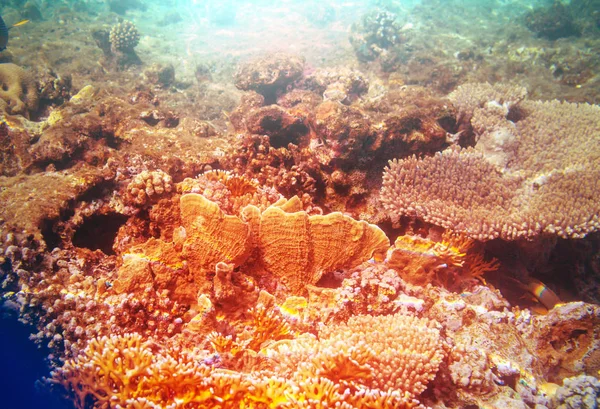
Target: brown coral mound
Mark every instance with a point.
(18, 92)
(270, 74)
(538, 173)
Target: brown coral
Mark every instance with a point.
(148, 186)
(124, 36)
(516, 187)
(18, 91)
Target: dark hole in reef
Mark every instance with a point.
(98, 232)
(51, 237)
(293, 134)
(448, 123)
(516, 114)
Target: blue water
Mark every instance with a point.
(22, 365)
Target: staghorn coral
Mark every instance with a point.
(350, 366)
(18, 90)
(127, 371)
(514, 186)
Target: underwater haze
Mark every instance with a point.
(300, 204)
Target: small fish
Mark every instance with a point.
(4, 32)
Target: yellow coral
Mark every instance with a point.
(447, 262)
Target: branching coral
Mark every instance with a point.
(536, 175)
(125, 371)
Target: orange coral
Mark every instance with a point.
(447, 262)
(124, 371)
(387, 365)
(237, 185)
(299, 248)
(295, 247)
(209, 236)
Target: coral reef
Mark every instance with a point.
(211, 227)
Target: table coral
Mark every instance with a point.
(18, 93)
(510, 185)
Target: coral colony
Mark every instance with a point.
(407, 219)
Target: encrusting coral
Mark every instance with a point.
(510, 185)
